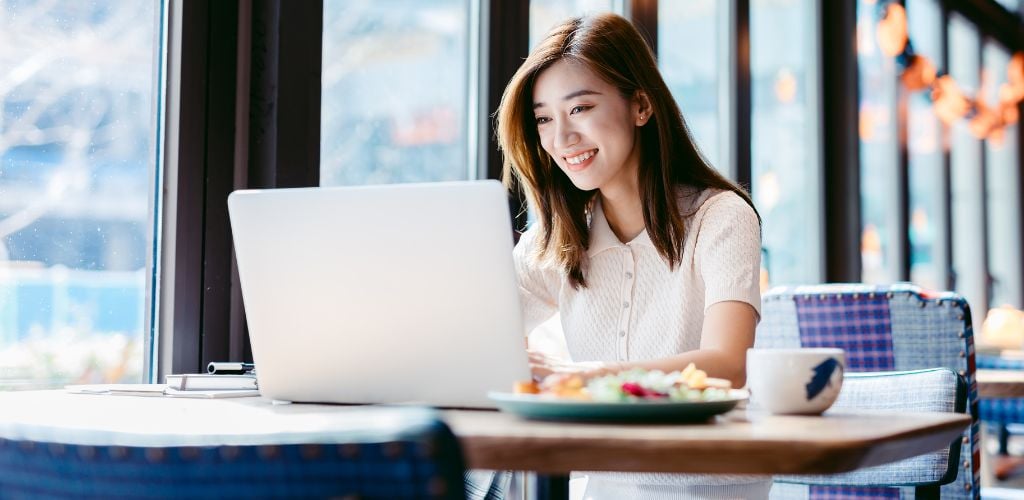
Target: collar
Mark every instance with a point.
(603, 238)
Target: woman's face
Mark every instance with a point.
(587, 127)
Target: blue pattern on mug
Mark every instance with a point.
(822, 377)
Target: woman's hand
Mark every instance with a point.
(542, 365)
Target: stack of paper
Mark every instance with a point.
(199, 385)
(207, 382)
(211, 393)
(203, 385)
(118, 389)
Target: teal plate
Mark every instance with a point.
(537, 407)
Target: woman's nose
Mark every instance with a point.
(565, 135)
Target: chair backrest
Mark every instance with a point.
(882, 328)
(419, 459)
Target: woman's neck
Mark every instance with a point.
(624, 212)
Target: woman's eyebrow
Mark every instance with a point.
(570, 96)
(580, 93)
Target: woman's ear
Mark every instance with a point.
(642, 107)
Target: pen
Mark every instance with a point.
(229, 368)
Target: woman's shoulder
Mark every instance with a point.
(527, 250)
(527, 240)
(698, 203)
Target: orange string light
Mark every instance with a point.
(892, 30)
(919, 75)
(949, 102)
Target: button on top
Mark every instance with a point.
(625, 304)
(622, 333)
(629, 275)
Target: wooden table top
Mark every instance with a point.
(1000, 383)
(738, 442)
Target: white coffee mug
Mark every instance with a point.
(794, 381)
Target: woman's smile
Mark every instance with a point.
(580, 161)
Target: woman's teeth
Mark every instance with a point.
(576, 160)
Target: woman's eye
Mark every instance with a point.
(541, 120)
(578, 109)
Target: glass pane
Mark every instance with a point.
(1002, 160)
(967, 176)
(879, 151)
(1011, 5)
(785, 167)
(77, 135)
(395, 81)
(929, 259)
(546, 14)
(692, 75)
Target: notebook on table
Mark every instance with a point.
(380, 294)
(208, 382)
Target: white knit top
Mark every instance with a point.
(636, 308)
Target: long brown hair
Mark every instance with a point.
(612, 47)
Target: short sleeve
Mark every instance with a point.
(728, 251)
(538, 283)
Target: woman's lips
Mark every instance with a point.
(580, 161)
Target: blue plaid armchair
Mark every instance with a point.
(882, 328)
(418, 459)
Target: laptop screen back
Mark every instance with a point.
(380, 294)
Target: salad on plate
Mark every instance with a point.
(636, 385)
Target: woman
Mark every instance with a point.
(651, 257)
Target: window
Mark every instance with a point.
(928, 227)
(545, 14)
(785, 167)
(1011, 5)
(78, 131)
(967, 174)
(395, 82)
(1002, 188)
(693, 74)
(879, 151)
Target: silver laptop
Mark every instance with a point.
(400, 293)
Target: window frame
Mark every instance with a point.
(243, 91)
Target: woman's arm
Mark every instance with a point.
(538, 284)
(727, 333)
